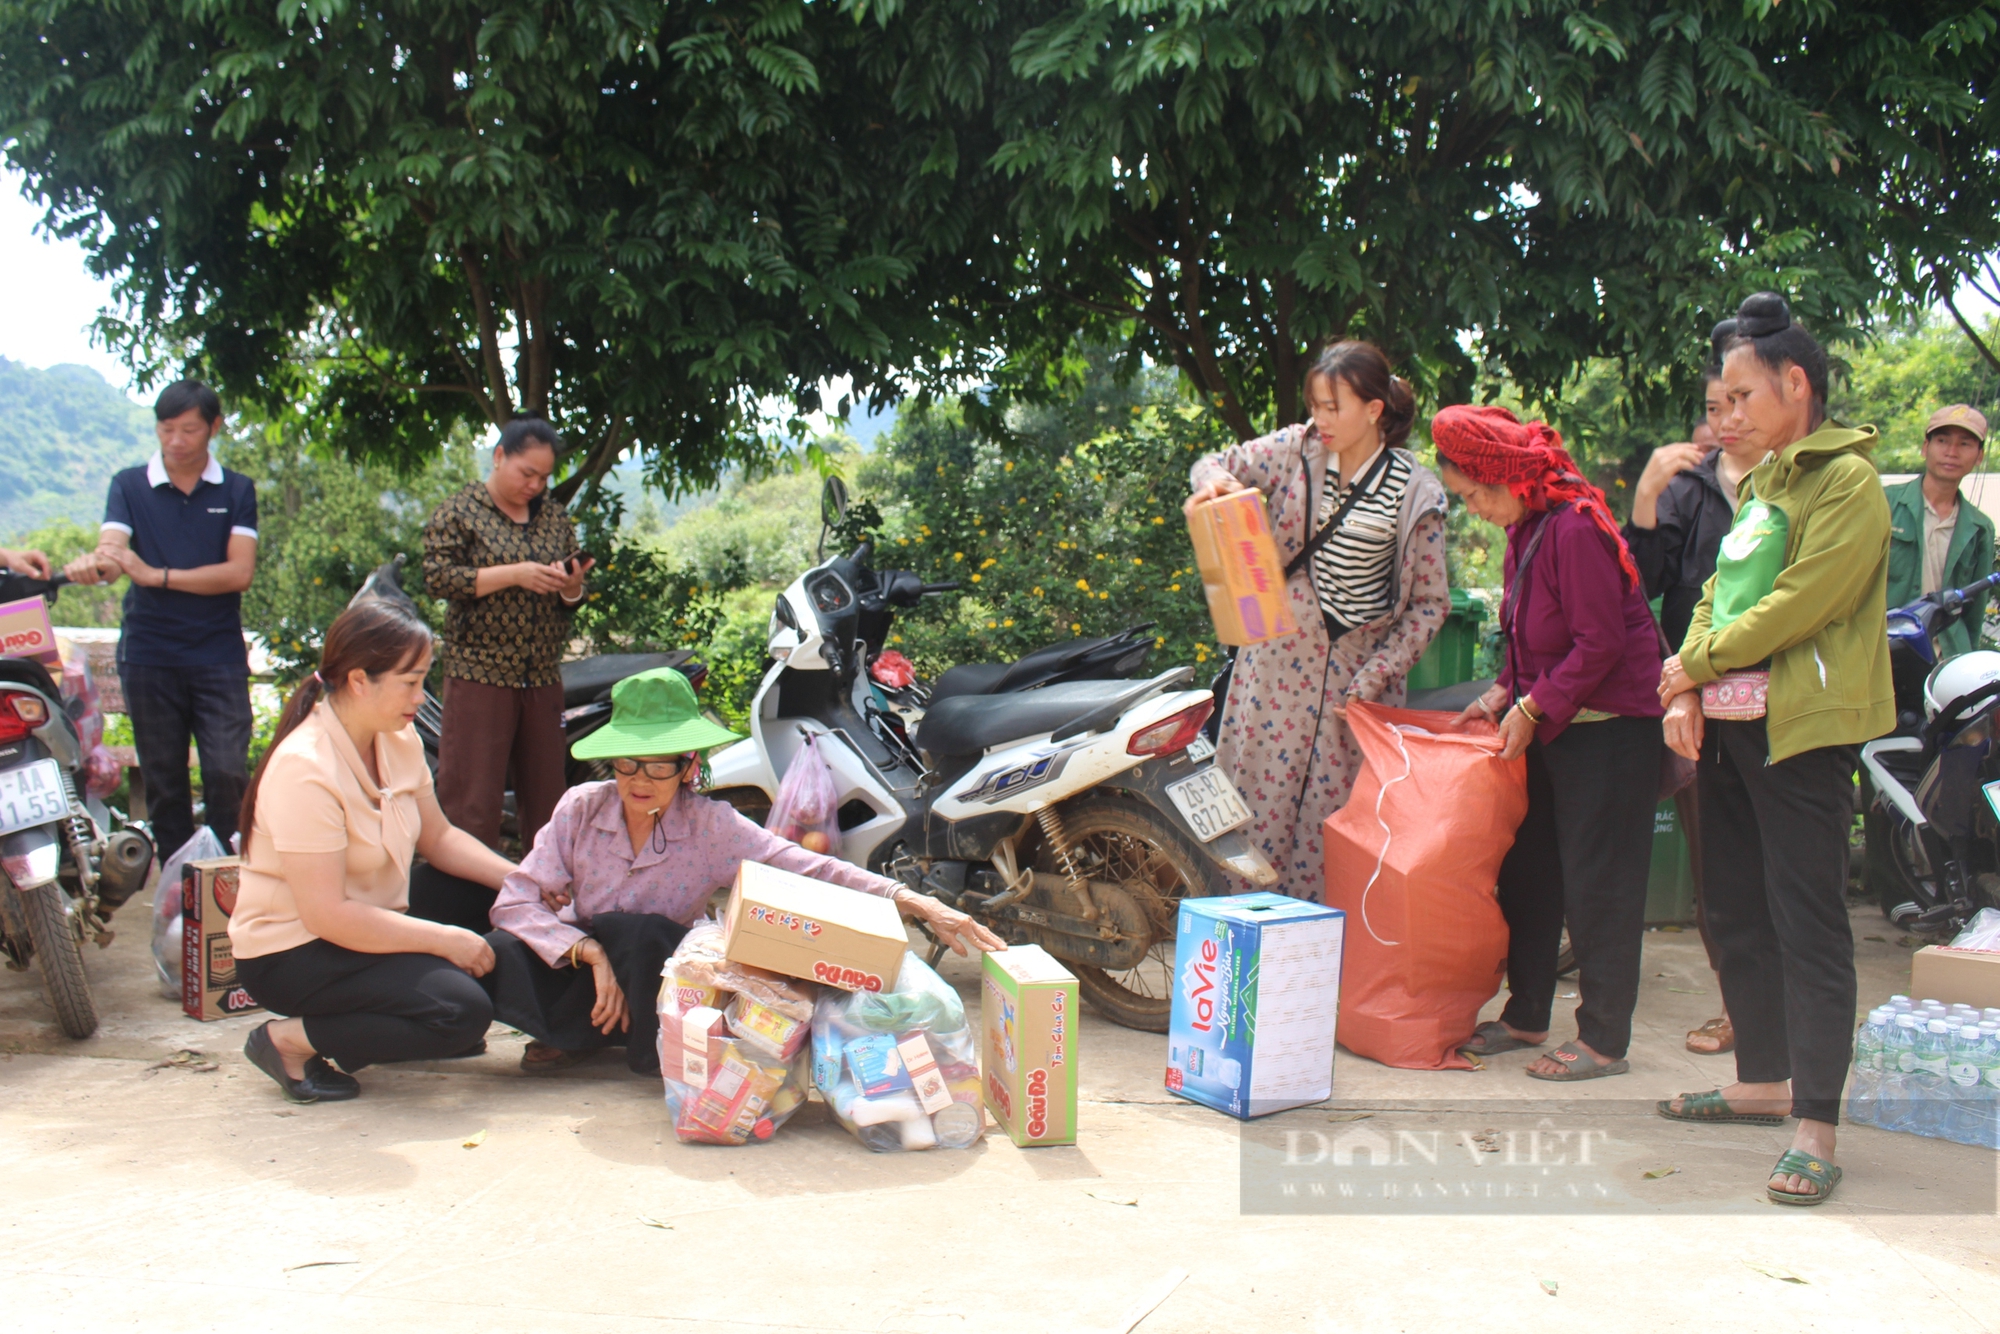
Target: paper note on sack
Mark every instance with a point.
(823, 933)
(1241, 573)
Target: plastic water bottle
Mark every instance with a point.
(1930, 1080)
(1964, 1115)
(1990, 1015)
(1864, 1093)
(1899, 1063)
(1899, 1003)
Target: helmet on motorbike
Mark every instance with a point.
(1955, 678)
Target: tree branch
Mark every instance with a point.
(602, 456)
(502, 405)
(1971, 334)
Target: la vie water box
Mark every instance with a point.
(1256, 1003)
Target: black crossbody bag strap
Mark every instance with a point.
(1354, 494)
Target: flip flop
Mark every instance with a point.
(1710, 1106)
(1492, 1038)
(1723, 1031)
(1823, 1175)
(1579, 1066)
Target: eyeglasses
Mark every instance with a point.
(654, 768)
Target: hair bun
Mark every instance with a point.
(1763, 314)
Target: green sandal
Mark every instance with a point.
(1712, 1108)
(1824, 1177)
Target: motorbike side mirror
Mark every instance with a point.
(833, 502)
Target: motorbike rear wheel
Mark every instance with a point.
(1130, 844)
(59, 950)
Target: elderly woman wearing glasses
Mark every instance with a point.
(621, 870)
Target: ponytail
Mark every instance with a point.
(374, 636)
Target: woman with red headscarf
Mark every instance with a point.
(1578, 695)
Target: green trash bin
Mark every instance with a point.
(1450, 657)
(1670, 884)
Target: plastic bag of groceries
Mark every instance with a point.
(900, 1068)
(807, 802)
(733, 1043)
(167, 907)
(1981, 933)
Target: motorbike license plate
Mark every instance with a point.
(31, 795)
(1210, 804)
(1201, 748)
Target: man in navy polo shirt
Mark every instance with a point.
(183, 529)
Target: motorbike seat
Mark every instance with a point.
(28, 672)
(968, 725)
(999, 678)
(587, 678)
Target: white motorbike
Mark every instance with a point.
(1074, 815)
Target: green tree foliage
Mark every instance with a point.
(1070, 527)
(637, 217)
(1897, 380)
(323, 525)
(1528, 185)
(67, 432)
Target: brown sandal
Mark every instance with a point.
(539, 1058)
(1721, 1030)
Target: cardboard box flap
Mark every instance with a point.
(1029, 965)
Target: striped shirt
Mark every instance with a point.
(1353, 570)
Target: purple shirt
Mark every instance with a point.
(584, 851)
(1581, 638)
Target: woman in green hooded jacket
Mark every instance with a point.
(1784, 672)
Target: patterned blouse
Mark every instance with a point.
(513, 639)
(696, 847)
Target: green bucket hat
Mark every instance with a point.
(652, 713)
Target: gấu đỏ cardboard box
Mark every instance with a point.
(1962, 977)
(807, 929)
(1241, 573)
(208, 965)
(27, 632)
(1027, 1047)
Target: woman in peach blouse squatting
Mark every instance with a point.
(322, 934)
(587, 921)
(1368, 601)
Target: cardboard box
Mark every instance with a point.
(208, 966)
(807, 929)
(27, 632)
(1240, 570)
(1027, 1048)
(1964, 977)
(1256, 1003)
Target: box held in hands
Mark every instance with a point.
(1241, 573)
(208, 964)
(27, 632)
(807, 929)
(1027, 1049)
(1256, 1003)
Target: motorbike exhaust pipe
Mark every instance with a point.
(128, 856)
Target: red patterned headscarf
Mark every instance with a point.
(1493, 447)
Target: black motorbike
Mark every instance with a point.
(1933, 808)
(66, 862)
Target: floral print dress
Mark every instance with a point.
(1293, 761)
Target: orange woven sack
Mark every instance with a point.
(1413, 859)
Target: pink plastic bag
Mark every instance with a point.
(806, 809)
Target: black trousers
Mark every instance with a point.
(437, 897)
(361, 1009)
(170, 705)
(1774, 850)
(1582, 855)
(553, 1005)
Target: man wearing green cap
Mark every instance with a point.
(623, 868)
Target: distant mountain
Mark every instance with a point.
(67, 430)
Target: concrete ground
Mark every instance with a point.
(165, 1197)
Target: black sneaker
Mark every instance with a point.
(322, 1083)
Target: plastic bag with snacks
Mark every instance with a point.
(805, 810)
(732, 1043)
(167, 907)
(900, 1068)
